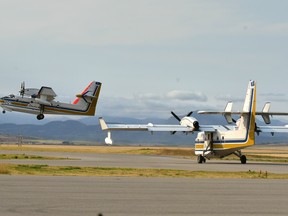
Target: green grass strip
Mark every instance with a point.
(45, 170)
(27, 157)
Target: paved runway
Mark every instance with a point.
(146, 161)
(40, 195)
(117, 196)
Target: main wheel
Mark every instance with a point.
(3, 111)
(200, 159)
(243, 159)
(40, 116)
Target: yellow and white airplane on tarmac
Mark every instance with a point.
(41, 101)
(215, 140)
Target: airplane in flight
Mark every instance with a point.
(41, 101)
(215, 140)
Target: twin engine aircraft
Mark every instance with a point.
(41, 101)
(215, 140)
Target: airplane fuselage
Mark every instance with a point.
(42, 101)
(32, 106)
(222, 142)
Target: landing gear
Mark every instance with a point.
(3, 111)
(201, 159)
(243, 159)
(40, 116)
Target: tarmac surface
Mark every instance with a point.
(63, 195)
(117, 196)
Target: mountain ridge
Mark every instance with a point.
(88, 129)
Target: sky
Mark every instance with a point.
(152, 56)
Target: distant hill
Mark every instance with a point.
(88, 129)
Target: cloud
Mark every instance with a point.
(272, 94)
(228, 97)
(148, 96)
(274, 97)
(179, 95)
(186, 95)
(152, 105)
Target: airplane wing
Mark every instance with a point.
(272, 129)
(153, 127)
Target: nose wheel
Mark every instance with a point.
(40, 116)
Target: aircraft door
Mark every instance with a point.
(208, 141)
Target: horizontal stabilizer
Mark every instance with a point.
(265, 113)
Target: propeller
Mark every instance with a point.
(22, 89)
(178, 118)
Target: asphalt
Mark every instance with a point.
(117, 196)
(63, 195)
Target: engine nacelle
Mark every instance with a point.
(190, 122)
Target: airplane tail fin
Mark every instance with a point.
(247, 119)
(88, 98)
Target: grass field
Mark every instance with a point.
(27, 157)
